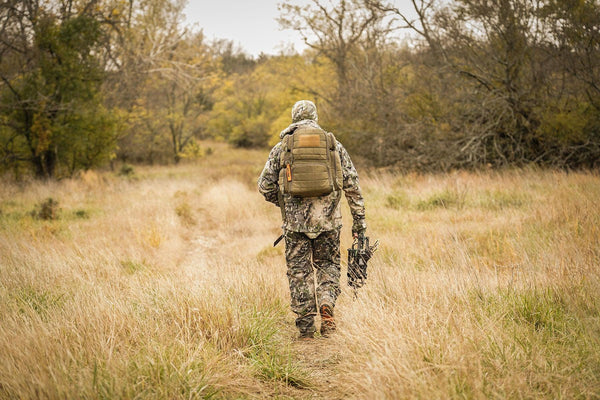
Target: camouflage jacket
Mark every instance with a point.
(313, 215)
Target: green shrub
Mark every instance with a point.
(46, 210)
(396, 201)
(126, 170)
(444, 199)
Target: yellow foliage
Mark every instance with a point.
(564, 125)
(150, 236)
(193, 151)
(252, 109)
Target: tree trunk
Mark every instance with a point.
(44, 165)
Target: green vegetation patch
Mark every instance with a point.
(183, 209)
(46, 215)
(270, 357)
(246, 321)
(536, 310)
(46, 210)
(269, 252)
(542, 311)
(127, 171)
(156, 371)
(39, 301)
(81, 213)
(11, 211)
(501, 199)
(539, 332)
(446, 198)
(397, 200)
(131, 267)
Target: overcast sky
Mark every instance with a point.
(249, 23)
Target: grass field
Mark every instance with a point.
(165, 284)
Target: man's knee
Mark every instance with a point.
(301, 295)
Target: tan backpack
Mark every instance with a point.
(310, 163)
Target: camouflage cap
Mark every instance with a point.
(304, 109)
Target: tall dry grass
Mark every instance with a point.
(166, 285)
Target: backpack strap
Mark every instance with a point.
(332, 147)
(285, 158)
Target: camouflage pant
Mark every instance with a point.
(307, 258)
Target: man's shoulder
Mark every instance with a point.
(341, 150)
(275, 150)
(274, 158)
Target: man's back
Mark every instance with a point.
(313, 214)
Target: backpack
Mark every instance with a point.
(310, 164)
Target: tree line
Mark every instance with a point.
(450, 84)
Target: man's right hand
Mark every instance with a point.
(359, 227)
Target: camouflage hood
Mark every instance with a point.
(304, 112)
(304, 109)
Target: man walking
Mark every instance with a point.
(305, 175)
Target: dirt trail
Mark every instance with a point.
(320, 357)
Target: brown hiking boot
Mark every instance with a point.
(327, 321)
